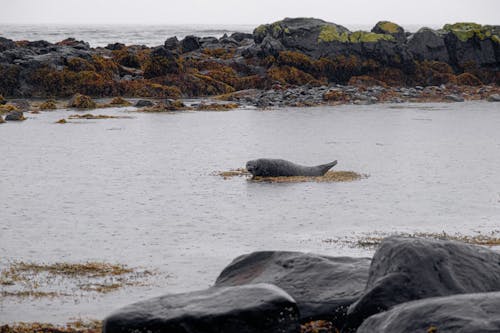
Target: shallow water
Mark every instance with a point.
(142, 192)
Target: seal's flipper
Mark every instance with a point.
(325, 167)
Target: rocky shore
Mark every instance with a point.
(410, 285)
(293, 62)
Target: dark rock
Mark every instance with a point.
(39, 44)
(240, 36)
(143, 103)
(161, 51)
(172, 43)
(76, 44)
(454, 98)
(22, 105)
(115, 46)
(460, 313)
(207, 41)
(270, 46)
(6, 44)
(15, 116)
(494, 98)
(428, 44)
(406, 269)
(260, 308)
(390, 28)
(190, 43)
(322, 286)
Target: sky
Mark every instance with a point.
(421, 12)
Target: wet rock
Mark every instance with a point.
(460, 313)
(143, 103)
(15, 116)
(406, 269)
(190, 43)
(322, 286)
(260, 308)
(80, 101)
(454, 98)
(494, 98)
(172, 43)
(428, 44)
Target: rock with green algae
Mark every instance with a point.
(467, 30)
(390, 28)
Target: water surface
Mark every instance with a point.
(142, 192)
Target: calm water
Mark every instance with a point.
(150, 35)
(141, 192)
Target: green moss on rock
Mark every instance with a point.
(368, 37)
(389, 27)
(467, 30)
(329, 33)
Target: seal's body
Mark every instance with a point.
(265, 167)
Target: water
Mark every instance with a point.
(141, 192)
(150, 35)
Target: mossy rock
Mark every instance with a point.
(48, 105)
(390, 28)
(467, 30)
(329, 33)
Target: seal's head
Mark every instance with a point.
(253, 167)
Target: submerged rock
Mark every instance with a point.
(406, 269)
(260, 308)
(15, 116)
(322, 286)
(452, 314)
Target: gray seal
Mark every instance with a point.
(265, 167)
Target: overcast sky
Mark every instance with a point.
(421, 12)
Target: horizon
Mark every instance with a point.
(226, 12)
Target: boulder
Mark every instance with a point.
(494, 98)
(405, 269)
(473, 44)
(15, 116)
(6, 44)
(322, 286)
(80, 101)
(115, 46)
(190, 43)
(260, 308)
(2, 100)
(390, 28)
(143, 103)
(172, 43)
(428, 44)
(452, 314)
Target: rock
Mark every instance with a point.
(15, 116)
(452, 314)
(260, 308)
(322, 286)
(240, 36)
(428, 44)
(471, 43)
(115, 46)
(454, 98)
(80, 101)
(143, 103)
(405, 269)
(172, 43)
(390, 28)
(22, 105)
(494, 98)
(190, 43)
(6, 44)
(2, 120)
(2, 100)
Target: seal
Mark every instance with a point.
(265, 167)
